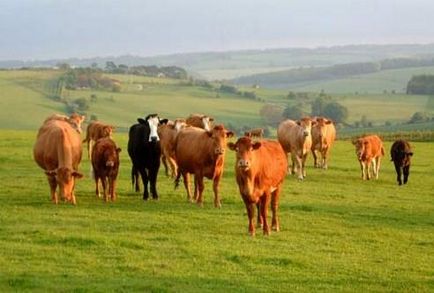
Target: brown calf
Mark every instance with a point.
(369, 150)
(401, 154)
(105, 163)
(323, 137)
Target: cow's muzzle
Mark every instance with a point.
(219, 151)
(243, 164)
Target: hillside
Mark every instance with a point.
(27, 95)
(228, 65)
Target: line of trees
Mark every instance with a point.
(421, 85)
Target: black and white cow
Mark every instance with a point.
(401, 156)
(145, 151)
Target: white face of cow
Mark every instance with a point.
(179, 124)
(206, 123)
(153, 126)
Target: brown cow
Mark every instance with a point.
(200, 120)
(323, 137)
(256, 132)
(260, 170)
(58, 151)
(295, 138)
(201, 153)
(95, 131)
(167, 133)
(105, 163)
(369, 150)
(75, 120)
(401, 154)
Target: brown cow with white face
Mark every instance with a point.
(58, 151)
(167, 133)
(323, 137)
(369, 150)
(200, 120)
(201, 153)
(260, 170)
(105, 163)
(295, 138)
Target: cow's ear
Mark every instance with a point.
(211, 119)
(256, 145)
(314, 122)
(232, 146)
(410, 154)
(298, 122)
(118, 150)
(164, 121)
(328, 122)
(51, 172)
(229, 134)
(141, 120)
(77, 175)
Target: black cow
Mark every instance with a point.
(401, 154)
(145, 151)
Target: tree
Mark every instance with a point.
(318, 106)
(336, 112)
(272, 114)
(110, 66)
(419, 117)
(293, 112)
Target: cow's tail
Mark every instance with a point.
(382, 151)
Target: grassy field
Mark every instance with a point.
(337, 232)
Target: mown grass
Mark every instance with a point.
(337, 232)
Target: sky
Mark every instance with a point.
(51, 29)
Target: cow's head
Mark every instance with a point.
(111, 156)
(306, 123)
(107, 130)
(244, 148)
(361, 147)
(207, 122)
(179, 124)
(65, 178)
(321, 130)
(153, 122)
(76, 120)
(218, 134)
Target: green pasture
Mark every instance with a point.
(338, 233)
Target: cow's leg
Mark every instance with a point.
(112, 187)
(406, 171)
(398, 173)
(200, 187)
(260, 220)
(97, 186)
(135, 178)
(303, 164)
(104, 187)
(265, 202)
(251, 214)
(274, 207)
(173, 167)
(324, 154)
(145, 179)
(186, 179)
(377, 168)
(153, 173)
(362, 167)
(215, 187)
(299, 160)
(53, 185)
(164, 161)
(315, 159)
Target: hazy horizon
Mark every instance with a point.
(48, 29)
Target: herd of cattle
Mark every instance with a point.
(196, 146)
